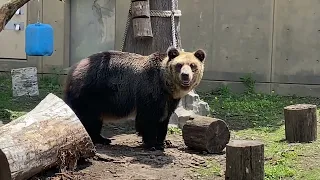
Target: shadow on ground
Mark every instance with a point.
(134, 151)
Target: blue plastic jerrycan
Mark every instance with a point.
(39, 39)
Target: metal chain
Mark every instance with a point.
(38, 18)
(156, 13)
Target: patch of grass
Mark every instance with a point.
(174, 130)
(212, 168)
(252, 110)
(280, 157)
(255, 116)
(12, 108)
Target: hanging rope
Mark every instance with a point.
(157, 13)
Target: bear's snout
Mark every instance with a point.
(185, 77)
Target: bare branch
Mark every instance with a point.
(8, 9)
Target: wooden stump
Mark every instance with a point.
(206, 134)
(49, 135)
(300, 123)
(244, 160)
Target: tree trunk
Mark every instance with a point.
(300, 123)
(49, 135)
(161, 29)
(244, 160)
(206, 134)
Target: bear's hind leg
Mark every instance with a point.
(93, 126)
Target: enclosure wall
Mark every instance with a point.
(277, 41)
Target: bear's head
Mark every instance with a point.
(185, 69)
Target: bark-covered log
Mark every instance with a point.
(161, 29)
(206, 134)
(141, 19)
(244, 160)
(301, 123)
(49, 135)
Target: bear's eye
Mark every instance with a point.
(178, 66)
(193, 66)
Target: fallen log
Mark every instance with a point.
(300, 123)
(204, 133)
(50, 135)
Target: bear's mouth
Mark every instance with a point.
(185, 83)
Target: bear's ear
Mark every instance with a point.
(200, 54)
(172, 53)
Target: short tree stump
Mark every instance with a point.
(244, 160)
(300, 123)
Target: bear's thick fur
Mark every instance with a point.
(112, 85)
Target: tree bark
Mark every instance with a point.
(8, 9)
(161, 29)
(301, 123)
(244, 160)
(141, 19)
(49, 135)
(206, 134)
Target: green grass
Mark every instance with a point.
(12, 108)
(249, 115)
(211, 169)
(260, 117)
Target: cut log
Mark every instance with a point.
(244, 160)
(141, 19)
(142, 28)
(208, 134)
(300, 123)
(161, 30)
(49, 135)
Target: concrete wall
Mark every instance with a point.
(277, 41)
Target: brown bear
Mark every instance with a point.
(113, 85)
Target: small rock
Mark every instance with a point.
(180, 116)
(24, 82)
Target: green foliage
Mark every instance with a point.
(174, 130)
(210, 169)
(249, 83)
(12, 108)
(256, 116)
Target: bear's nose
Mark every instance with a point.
(184, 76)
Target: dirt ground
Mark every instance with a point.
(125, 159)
